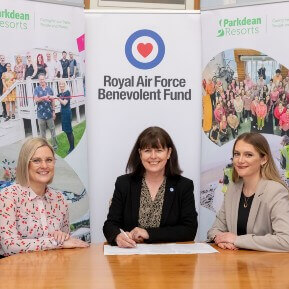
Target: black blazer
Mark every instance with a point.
(179, 217)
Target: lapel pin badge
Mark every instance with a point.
(171, 189)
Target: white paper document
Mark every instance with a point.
(160, 249)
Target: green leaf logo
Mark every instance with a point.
(221, 33)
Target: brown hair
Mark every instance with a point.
(259, 142)
(28, 149)
(153, 137)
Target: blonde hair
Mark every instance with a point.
(28, 149)
(268, 170)
(19, 57)
(64, 82)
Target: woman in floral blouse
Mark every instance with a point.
(33, 216)
(19, 68)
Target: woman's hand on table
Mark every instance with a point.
(226, 237)
(74, 243)
(228, 246)
(60, 236)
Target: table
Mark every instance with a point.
(89, 268)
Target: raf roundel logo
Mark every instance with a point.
(144, 49)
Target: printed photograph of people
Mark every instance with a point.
(244, 91)
(42, 94)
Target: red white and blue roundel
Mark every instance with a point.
(144, 49)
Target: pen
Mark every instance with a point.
(123, 232)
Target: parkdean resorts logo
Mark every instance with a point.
(239, 26)
(144, 49)
(14, 19)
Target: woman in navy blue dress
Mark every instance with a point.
(66, 115)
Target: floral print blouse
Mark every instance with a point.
(150, 211)
(28, 220)
(19, 69)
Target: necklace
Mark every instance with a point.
(246, 199)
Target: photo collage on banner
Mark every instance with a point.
(45, 43)
(245, 84)
(142, 72)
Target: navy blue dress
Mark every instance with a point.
(66, 115)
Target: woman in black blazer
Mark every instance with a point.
(153, 203)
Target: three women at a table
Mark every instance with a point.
(255, 211)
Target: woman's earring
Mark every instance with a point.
(262, 166)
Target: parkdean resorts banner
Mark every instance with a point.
(48, 40)
(245, 88)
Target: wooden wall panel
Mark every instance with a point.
(241, 64)
(86, 4)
